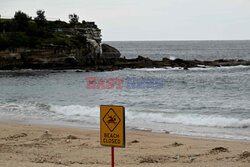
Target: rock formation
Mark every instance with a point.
(109, 52)
(80, 47)
(56, 56)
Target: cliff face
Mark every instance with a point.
(85, 52)
(75, 47)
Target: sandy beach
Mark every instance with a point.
(38, 146)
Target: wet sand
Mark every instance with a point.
(47, 146)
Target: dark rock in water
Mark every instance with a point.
(178, 61)
(140, 58)
(109, 52)
(107, 48)
(88, 59)
(166, 60)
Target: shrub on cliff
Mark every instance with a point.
(7, 25)
(3, 43)
(73, 19)
(21, 20)
(14, 40)
(40, 19)
(22, 31)
(57, 24)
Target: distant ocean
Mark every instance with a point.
(201, 102)
(189, 50)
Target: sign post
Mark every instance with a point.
(112, 156)
(112, 127)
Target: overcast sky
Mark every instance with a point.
(149, 19)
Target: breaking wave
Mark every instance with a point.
(91, 115)
(192, 119)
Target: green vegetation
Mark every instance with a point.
(74, 19)
(23, 31)
(40, 19)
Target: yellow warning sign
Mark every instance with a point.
(112, 126)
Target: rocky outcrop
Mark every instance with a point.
(142, 62)
(37, 59)
(109, 52)
(85, 51)
(74, 59)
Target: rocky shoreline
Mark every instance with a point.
(108, 60)
(143, 62)
(59, 45)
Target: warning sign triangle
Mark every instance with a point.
(111, 120)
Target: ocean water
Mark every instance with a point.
(201, 102)
(189, 50)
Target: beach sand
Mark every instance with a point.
(30, 146)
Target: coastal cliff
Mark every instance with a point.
(27, 43)
(42, 44)
(87, 53)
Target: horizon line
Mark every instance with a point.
(177, 40)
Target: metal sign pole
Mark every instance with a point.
(112, 128)
(112, 157)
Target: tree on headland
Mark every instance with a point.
(21, 20)
(26, 32)
(40, 19)
(73, 19)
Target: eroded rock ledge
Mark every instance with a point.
(108, 60)
(142, 62)
(60, 45)
(65, 46)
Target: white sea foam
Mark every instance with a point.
(185, 119)
(76, 110)
(85, 113)
(199, 68)
(190, 119)
(205, 68)
(159, 69)
(172, 58)
(151, 69)
(19, 108)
